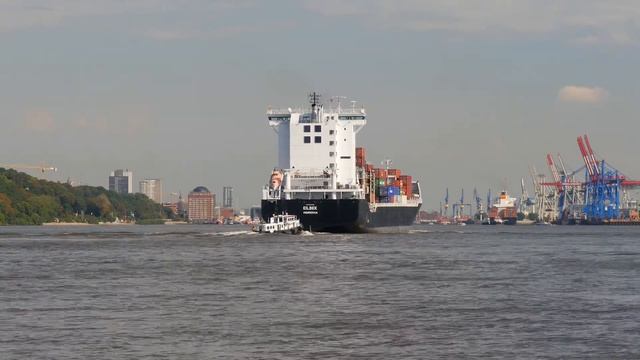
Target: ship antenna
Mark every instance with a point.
(314, 99)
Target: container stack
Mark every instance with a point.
(389, 185)
(407, 185)
(360, 157)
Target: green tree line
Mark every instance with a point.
(26, 200)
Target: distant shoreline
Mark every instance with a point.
(107, 224)
(65, 224)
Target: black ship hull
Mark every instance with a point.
(341, 215)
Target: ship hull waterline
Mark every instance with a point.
(341, 215)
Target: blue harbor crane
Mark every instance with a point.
(602, 187)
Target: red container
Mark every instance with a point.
(407, 183)
(360, 158)
(380, 173)
(394, 172)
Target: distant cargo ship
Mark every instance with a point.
(325, 181)
(503, 211)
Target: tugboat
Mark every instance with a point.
(324, 179)
(283, 223)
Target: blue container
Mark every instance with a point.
(393, 190)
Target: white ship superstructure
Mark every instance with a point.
(316, 151)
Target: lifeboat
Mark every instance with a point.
(276, 179)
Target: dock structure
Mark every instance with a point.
(600, 197)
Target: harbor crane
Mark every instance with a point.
(595, 200)
(458, 210)
(479, 209)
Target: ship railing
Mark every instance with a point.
(285, 111)
(321, 189)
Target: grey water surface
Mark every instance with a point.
(222, 292)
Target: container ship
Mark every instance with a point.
(503, 211)
(325, 180)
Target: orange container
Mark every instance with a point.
(407, 181)
(382, 174)
(394, 172)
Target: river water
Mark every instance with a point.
(221, 292)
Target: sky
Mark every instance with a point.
(460, 94)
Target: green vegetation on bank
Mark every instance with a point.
(26, 200)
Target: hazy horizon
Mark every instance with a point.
(458, 94)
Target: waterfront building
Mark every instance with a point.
(227, 197)
(226, 213)
(173, 206)
(152, 188)
(201, 203)
(255, 212)
(121, 181)
(182, 206)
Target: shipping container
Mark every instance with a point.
(407, 183)
(394, 172)
(381, 174)
(360, 157)
(393, 190)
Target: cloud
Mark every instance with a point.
(578, 21)
(17, 15)
(582, 94)
(222, 32)
(170, 35)
(39, 120)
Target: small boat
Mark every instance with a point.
(283, 223)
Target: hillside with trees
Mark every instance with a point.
(26, 200)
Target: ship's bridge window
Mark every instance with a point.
(307, 139)
(280, 117)
(307, 128)
(317, 128)
(317, 139)
(351, 117)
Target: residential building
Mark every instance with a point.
(121, 181)
(152, 188)
(227, 197)
(200, 204)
